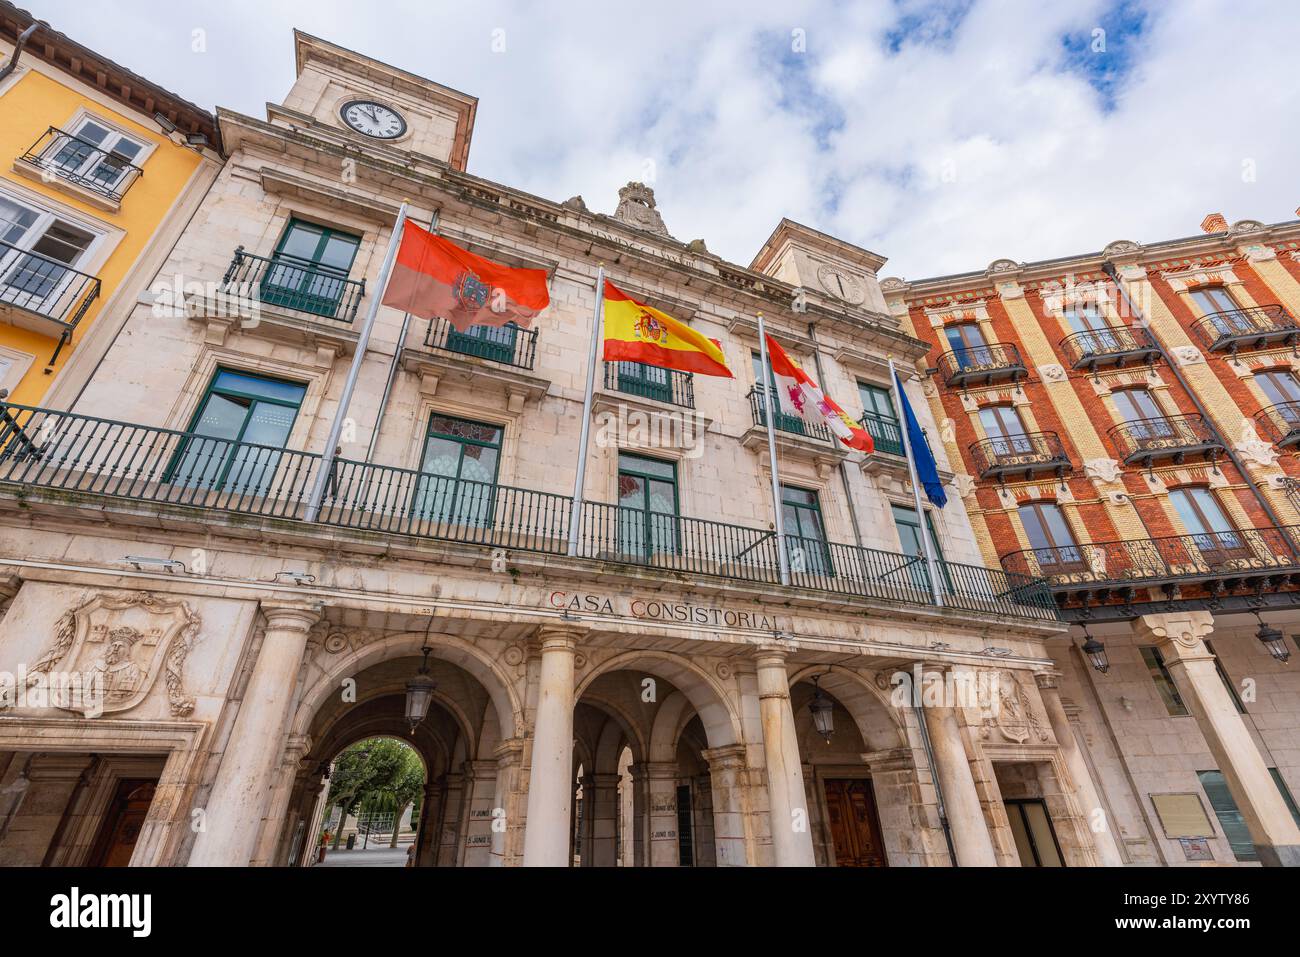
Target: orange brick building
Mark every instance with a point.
(1125, 424)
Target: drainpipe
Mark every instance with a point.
(1109, 269)
(18, 50)
(844, 466)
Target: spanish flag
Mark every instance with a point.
(635, 332)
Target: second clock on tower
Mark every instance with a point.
(373, 119)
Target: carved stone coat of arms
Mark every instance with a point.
(119, 644)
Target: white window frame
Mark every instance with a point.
(45, 217)
(75, 126)
(16, 366)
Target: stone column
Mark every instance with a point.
(732, 836)
(970, 829)
(1085, 791)
(278, 805)
(550, 781)
(600, 849)
(787, 801)
(507, 810)
(1180, 638)
(239, 795)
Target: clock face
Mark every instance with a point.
(373, 119)
(841, 284)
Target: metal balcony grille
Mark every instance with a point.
(1280, 424)
(1257, 327)
(982, 364)
(83, 164)
(650, 382)
(1109, 347)
(1174, 437)
(508, 345)
(298, 285)
(885, 433)
(791, 424)
(1020, 455)
(88, 456)
(44, 287)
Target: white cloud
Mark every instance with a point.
(961, 146)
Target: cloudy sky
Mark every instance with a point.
(942, 134)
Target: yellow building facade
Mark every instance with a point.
(95, 163)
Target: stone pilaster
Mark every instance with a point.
(1098, 821)
(1181, 640)
(966, 821)
(237, 802)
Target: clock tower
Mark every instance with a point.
(340, 93)
(830, 271)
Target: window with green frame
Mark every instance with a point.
(1223, 676)
(239, 433)
(805, 533)
(1230, 818)
(458, 472)
(786, 423)
(309, 268)
(1164, 681)
(909, 537)
(647, 507)
(879, 418)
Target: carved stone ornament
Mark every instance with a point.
(1187, 355)
(1120, 246)
(1102, 470)
(1052, 372)
(964, 484)
(1012, 713)
(575, 203)
(124, 641)
(1253, 448)
(636, 207)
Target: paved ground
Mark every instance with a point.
(372, 857)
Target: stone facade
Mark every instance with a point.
(647, 705)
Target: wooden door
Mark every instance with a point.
(122, 823)
(855, 827)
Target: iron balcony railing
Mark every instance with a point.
(75, 453)
(45, 287)
(982, 364)
(1109, 347)
(1172, 437)
(1231, 555)
(885, 433)
(792, 424)
(1020, 455)
(508, 345)
(287, 282)
(1280, 423)
(83, 164)
(1256, 327)
(651, 382)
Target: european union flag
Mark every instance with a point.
(923, 464)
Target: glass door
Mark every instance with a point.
(969, 347)
(647, 508)
(1212, 532)
(805, 535)
(95, 155)
(1050, 538)
(458, 473)
(309, 268)
(1003, 425)
(650, 382)
(36, 267)
(239, 434)
(909, 538)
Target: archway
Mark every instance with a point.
(470, 773)
(646, 727)
(373, 803)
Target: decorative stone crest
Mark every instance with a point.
(636, 208)
(1253, 448)
(1052, 372)
(123, 642)
(964, 484)
(1102, 470)
(1187, 355)
(1013, 715)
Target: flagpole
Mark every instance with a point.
(782, 556)
(575, 510)
(924, 527)
(354, 371)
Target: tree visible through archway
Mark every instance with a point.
(373, 784)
